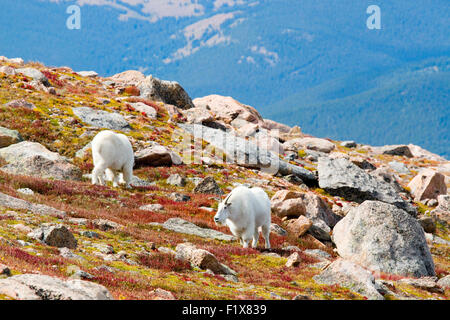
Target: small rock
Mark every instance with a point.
(349, 144)
(201, 259)
(104, 248)
(26, 191)
(301, 297)
(91, 234)
(178, 197)
(274, 228)
(143, 108)
(21, 103)
(319, 254)
(428, 184)
(4, 270)
(428, 224)
(88, 74)
(294, 260)
(22, 228)
(424, 283)
(105, 225)
(67, 253)
(444, 282)
(208, 186)
(176, 180)
(9, 137)
(155, 207)
(397, 150)
(299, 226)
(399, 167)
(160, 294)
(156, 156)
(56, 236)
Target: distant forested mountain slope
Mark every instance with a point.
(409, 105)
(263, 53)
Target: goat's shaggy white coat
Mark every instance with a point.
(245, 211)
(112, 152)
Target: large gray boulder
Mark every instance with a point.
(382, 237)
(342, 178)
(350, 275)
(102, 119)
(169, 92)
(32, 158)
(43, 287)
(246, 153)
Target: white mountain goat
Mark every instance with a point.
(112, 152)
(245, 211)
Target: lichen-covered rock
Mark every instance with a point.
(169, 92)
(342, 178)
(382, 237)
(208, 186)
(102, 119)
(56, 236)
(43, 287)
(32, 158)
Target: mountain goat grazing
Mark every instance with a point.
(112, 152)
(245, 211)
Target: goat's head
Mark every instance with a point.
(223, 211)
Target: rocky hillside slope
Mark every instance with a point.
(350, 221)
